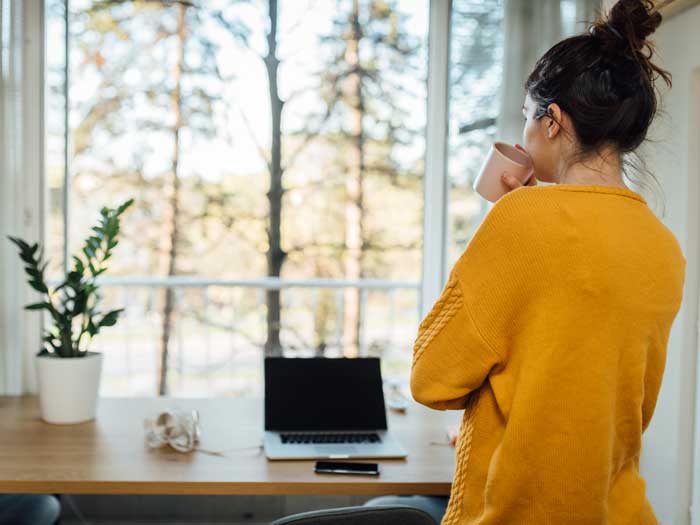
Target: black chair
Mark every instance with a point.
(380, 515)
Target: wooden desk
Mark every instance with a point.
(109, 455)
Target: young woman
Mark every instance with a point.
(551, 331)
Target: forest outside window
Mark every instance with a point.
(275, 154)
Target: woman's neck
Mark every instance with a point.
(603, 170)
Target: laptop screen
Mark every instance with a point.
(307, 394)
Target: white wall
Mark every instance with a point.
(668, 456)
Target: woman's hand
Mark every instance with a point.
(512, 183)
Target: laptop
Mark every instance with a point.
(326, 408)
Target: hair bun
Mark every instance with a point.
(629, 22)
(624, 32)
(635, 19)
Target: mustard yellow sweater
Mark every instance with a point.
(551, 335)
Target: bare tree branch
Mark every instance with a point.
(264, 154)
(477, 124)
(308, 137)
(105, 4)
(226, 327)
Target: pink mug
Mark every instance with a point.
(503, 158)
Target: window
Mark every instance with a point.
(270, 217)
(494, 45)
(476, 59)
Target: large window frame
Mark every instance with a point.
(34, 205)
(435, 181)
(435, 184)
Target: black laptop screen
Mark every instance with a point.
(323, 394)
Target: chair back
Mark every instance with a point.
(379, 515)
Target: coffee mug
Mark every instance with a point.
(502, 159)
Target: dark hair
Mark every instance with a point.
(604, 80)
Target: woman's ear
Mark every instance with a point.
(554, 120)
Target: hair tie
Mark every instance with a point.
(595, 32)
(616, 32)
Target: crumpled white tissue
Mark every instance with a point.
(177, 428)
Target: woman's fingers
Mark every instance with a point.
(511, 182)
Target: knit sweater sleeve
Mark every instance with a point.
(466, 333)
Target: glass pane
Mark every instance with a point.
(316, 175)
(476, 62)
(495, 44)
(55, 133)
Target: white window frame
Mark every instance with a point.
(435, 180)
(435, 184)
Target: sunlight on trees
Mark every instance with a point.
(259, 139)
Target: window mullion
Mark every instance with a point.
(435, 180)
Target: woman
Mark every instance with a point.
(551, 331)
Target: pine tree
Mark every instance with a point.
(147, 40)
(370, 57)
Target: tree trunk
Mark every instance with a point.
(275, 254)
(354, 220)
(354, 213)
(172, 221)
(324, 308)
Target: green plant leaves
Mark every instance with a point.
(121, 209)
(73, 303)
(110, 318)
(33, 267)
(78, 265)
(38, 306)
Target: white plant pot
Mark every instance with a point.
(68, 387)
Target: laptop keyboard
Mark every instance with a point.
(371, 437)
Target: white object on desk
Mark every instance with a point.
(177, 428)
(68, 387)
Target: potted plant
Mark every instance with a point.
(68, 371)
